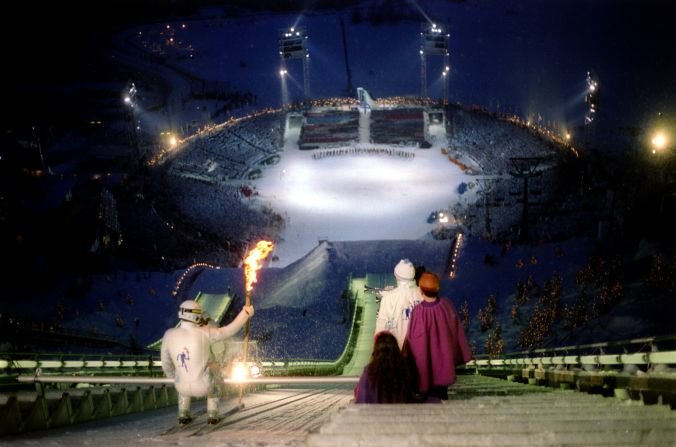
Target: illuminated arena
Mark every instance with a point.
(342, 170)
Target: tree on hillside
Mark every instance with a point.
(495, 344)
(487, 315)
(464, 315)
(661, 278)
(543, 316)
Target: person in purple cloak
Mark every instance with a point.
(435, 341)
(386, 379)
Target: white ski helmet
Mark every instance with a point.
(190, 310)
(404, 270)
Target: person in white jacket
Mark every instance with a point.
(186, 357)
(396, 304)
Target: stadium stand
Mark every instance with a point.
(329, 128)
(398, 126)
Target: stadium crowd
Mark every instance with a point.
(230, 151)
(490, 142)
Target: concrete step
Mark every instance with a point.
(458, 415)
(501, 425)
(610, 438)
(482, 412)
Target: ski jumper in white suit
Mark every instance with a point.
(397, 304)
(186, 355)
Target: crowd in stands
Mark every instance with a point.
(399, 101)
(334, 102)
(391, 152)
(230, 151)
(398, 126)
(490, 142)
(329, 128)
(209, 209)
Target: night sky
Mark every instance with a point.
(630, 44)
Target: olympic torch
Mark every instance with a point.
(251, 266)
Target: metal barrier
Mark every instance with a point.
(588, 355)
(645, 375)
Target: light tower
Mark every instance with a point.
(591, 98)
(292, 45)
(433, 42)
(130, 102)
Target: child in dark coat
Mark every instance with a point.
(385, 379)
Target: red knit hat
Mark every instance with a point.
(429, 283)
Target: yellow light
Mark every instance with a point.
(239, 372)
(659, 140)
(567, 136)
(173, 141)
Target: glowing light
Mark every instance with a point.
(255, 371)
(239, 372)
(187, 271)
(251, 262)
(567, 136)
(659, 141)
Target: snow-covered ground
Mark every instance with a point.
(357, 197)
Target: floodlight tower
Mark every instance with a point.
(130, 102)
(433, 42)
(292, 45)
(591, 97)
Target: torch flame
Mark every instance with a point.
(251, 263)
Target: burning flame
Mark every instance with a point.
(251, 263)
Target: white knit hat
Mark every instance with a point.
(404, 270)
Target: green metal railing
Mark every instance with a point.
(599, 354)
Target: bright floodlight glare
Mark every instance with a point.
(127, 99)
(567, 136)
(659, 141)
(173, 141)
(255, 371)
(239, 372)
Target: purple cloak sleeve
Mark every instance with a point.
(437, 343)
